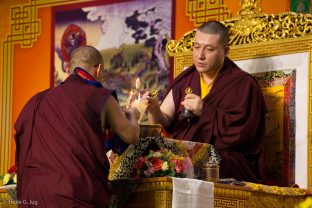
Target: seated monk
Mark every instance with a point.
(215, 102)
(60, 156)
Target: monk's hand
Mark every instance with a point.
(132, 113)
(193, 103)
(151, 100)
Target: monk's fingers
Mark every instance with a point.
(145, 100)
(188, 104)
(198, 107)
(191, 96)
(194, 105)
(146, 94)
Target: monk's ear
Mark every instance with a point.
(98, 70)
(226, 50)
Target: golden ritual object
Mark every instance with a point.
(188, 90)
(188, 114)
(154, 93)
(211, 171)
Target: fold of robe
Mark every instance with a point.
(232, 119)
(60, 157)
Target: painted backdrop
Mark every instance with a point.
(131, 37)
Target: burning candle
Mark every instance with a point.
(128, 102)
(137, 87)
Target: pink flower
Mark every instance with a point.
(150, 170)
(179, 166)
(188, 166)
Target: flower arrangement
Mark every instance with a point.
(164, 163)
(10, 177)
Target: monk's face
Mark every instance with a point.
(208, 52)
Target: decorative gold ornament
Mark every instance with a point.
(186, 113)
(188, 90)
(249, 7)
(154, 93)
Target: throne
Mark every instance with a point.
(276, 50)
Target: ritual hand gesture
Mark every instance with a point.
(151, 100)
(131, 98)
(193, 103)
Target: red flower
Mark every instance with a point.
(12, 170)
(156, 163)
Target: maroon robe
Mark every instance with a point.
(60, 156)
(232, 119)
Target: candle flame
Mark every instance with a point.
(137, 87)
(137, 83)
(128, 102)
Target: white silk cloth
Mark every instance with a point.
(192, 193)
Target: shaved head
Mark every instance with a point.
(86, 57)
(215, 27)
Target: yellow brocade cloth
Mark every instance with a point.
(284, 191)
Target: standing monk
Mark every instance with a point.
(60, 156)
(227, 105)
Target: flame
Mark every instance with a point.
(128, 102)
(137, 87)
(137, 83)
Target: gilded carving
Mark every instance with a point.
(185, 44)
(233, 203)
(252, 27)
(200, 11)
(249, 7)
(181, 62)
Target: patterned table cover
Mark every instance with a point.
(199, 153)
